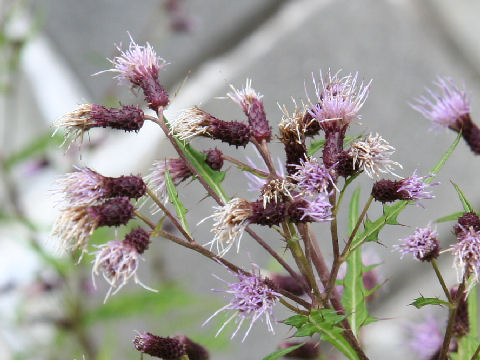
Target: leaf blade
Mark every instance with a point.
(176, 202)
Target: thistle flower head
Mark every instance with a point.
(118, 260)
(467, 255)
(339, 99)
(177, 169)
(252, 298)
(276, 189)
(88, 116)
(425, 338)
(86, 187)
(306, 210)
(372, 155)
(191, 122)
(292, 126)
(444, 109)
(252, 105)
(423, 245)
(136, 64)
(312, 177)
(161, 347)
(415, 187)
(230, 221)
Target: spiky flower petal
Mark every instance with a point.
(415, 187)
(306, 210)
(252, 298)
(423, 245)
(467, 255)
(372, 155)
(447, 108)
(277, 190)
(312, 177)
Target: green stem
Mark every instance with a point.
(442, 282)
(244, 167)
(475, 356)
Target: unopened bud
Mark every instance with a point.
(162, 347)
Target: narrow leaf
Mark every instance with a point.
(450, 217)
(465, 203)
(439, 165)
(423, 301)
(177, 204)
(282, 352)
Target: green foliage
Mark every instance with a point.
(282, 352)
(212, 177)
(319, 144)
(423, 301)
(177, 204)
(354, 291)
(450, 217)
(323, 322)
(465, 203)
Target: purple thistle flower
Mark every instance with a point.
(252, 106)
(177, 169)
(252, 298)
(86, 187)
(447, 108)
(467, 255)
(319, 209)
(312, 177)
(423, 245)
(161, 347)
(338, 100)
(425, 338)
(230, 220)
(118, 260)
(414, 187)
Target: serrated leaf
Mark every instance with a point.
(465, 203)
(296, 321)
(423, 301)
(319, 144)
(282, 352)
(354, 292)
(212, 177)
(177, 204)
(372, 228)
(450, 217)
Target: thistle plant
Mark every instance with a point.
(328, 301)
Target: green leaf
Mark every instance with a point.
(468, 344)
(319, 144)
(423, 301)
(465, 203)
(178, 205)
(450, 217)
(354, 292)
(390, 213)
(212, 178)
(282, 352)
(296, 321)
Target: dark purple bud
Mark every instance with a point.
(309, 350)
(288, 283)
(194, 351)
(467, 221)
(345, 166)
(272, 214)
(214, 159)
(231, 132)
(258, 121)
(296, 153)
(128, 118)
(386, 191)
(296, 211)
(139, 239)
(131, 186)
(470, 132)
(161, 347)
(461, 325)
(155, 95)
(113, 212)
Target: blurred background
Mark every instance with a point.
(49, 49)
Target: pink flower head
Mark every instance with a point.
(312, 177)
(423, 245)
(339, 99)
(252, 298)
(319, 209)
(447, 108)
(414, 187)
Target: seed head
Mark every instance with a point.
(252, 106)
(444, 109)
(338, 100)
(372, 155)
(278, 190)
(162, 347)
(118, 260)
(252, 298)
(423, 245)
(312, 177)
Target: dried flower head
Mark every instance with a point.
(162, 347)
(292, 127)
(372, 155)
(86, 187)
(230, 221)
(252, 298)
(177, 169)
(88, 116)
(467, 255)
(118, 260)
(312, 177)
(339, 99)
(423, 245)
(425, 338)
(447, 108)
(278, 190)
(252, 106)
